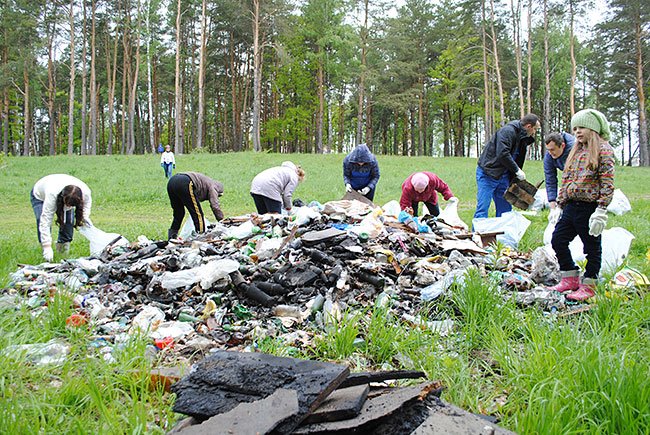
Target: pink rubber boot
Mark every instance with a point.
(586, 290)
(570, 282)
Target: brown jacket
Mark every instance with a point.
(207, 189)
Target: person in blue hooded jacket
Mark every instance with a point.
(361, 171)
(558, 147)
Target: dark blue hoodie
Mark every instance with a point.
(360, 176)
(551, 166)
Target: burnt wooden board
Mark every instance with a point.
(361, 378)
(373, 412)
(342, 404)
(259, 417)
(318, 236)
(225, 379)
(354, 195)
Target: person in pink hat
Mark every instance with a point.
(424, 187)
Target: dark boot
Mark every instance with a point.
(172, 234)
(570, 282)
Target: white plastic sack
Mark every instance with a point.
(99, 239)
(302, 215)
(540, 202)
(512, 223)
(188, 228)
(391, 208)
(206, 274)
(620, 204)
(242, 231)
(450, 216)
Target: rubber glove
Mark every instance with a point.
(597, 222)
(453, 200)
(348, 188)
(554, 215)
(48, 254)
(520, 174)
(365, 190)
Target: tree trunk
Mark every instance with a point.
(572, 89)
(134, 87)
(321, 105)
(644, 151)
(111, 80)
(515, 7)
(26, 113)
(497, 68)
(73, 71)
(152, 140)
(257, 76)
(421, 119)
(486, 78)
(84, 112)
(529, 76)
(547, 74)
(362, 75)
(93, 84)
(51, 81)
(178, 91)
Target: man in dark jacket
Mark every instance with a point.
(361, 171)
(501, 160)
(558, 147)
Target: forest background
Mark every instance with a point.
(315, 76)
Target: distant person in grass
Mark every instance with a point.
(167, 161)
(587, 189)
(424, 187)
(502, 160)
(361, 171)
(558, 147)
(65, 197)
(187, 190)
(273, 188)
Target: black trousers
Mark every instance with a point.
(181, 196)
(264, 204)
(575, 222)
(433, 208)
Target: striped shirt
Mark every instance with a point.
(580, 183)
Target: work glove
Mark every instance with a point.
(365, 190)
(348, 188)
(597, 222)
(453, 200)
(554, 215)
(520, 175)
(48, 254)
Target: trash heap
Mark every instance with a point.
(279, 276)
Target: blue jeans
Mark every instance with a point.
(66, 231)
(168, 169)
(491, 189)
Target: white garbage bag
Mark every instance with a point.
(99, 239)
(620, 204)
(450, 216)
(512, 223)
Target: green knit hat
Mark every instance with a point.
(593, 120)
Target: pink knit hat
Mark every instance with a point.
(420, 181)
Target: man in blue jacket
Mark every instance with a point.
(558, 147)
(361, 171)
(502, 159)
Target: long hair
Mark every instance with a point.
(593, 149)
(301, 173)
(70, 196)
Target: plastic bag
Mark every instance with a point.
(512, 223)
(620, 204)
(99, 239)
(188, 228)
(540, 202)
(450, 216)
(391, 208)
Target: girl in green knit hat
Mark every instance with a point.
(587, 189)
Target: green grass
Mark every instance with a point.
(585, 373)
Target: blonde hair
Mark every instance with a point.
(593, 148)
(301, 173)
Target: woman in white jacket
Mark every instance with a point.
(66, 197)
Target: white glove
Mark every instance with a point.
(48, 254)
(554, 215)
(453, 200)
(520, 174)
(348, 188)
(365, 190)
(597, 222)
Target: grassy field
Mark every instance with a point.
(582, 374)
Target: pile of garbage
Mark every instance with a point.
(280, 276)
